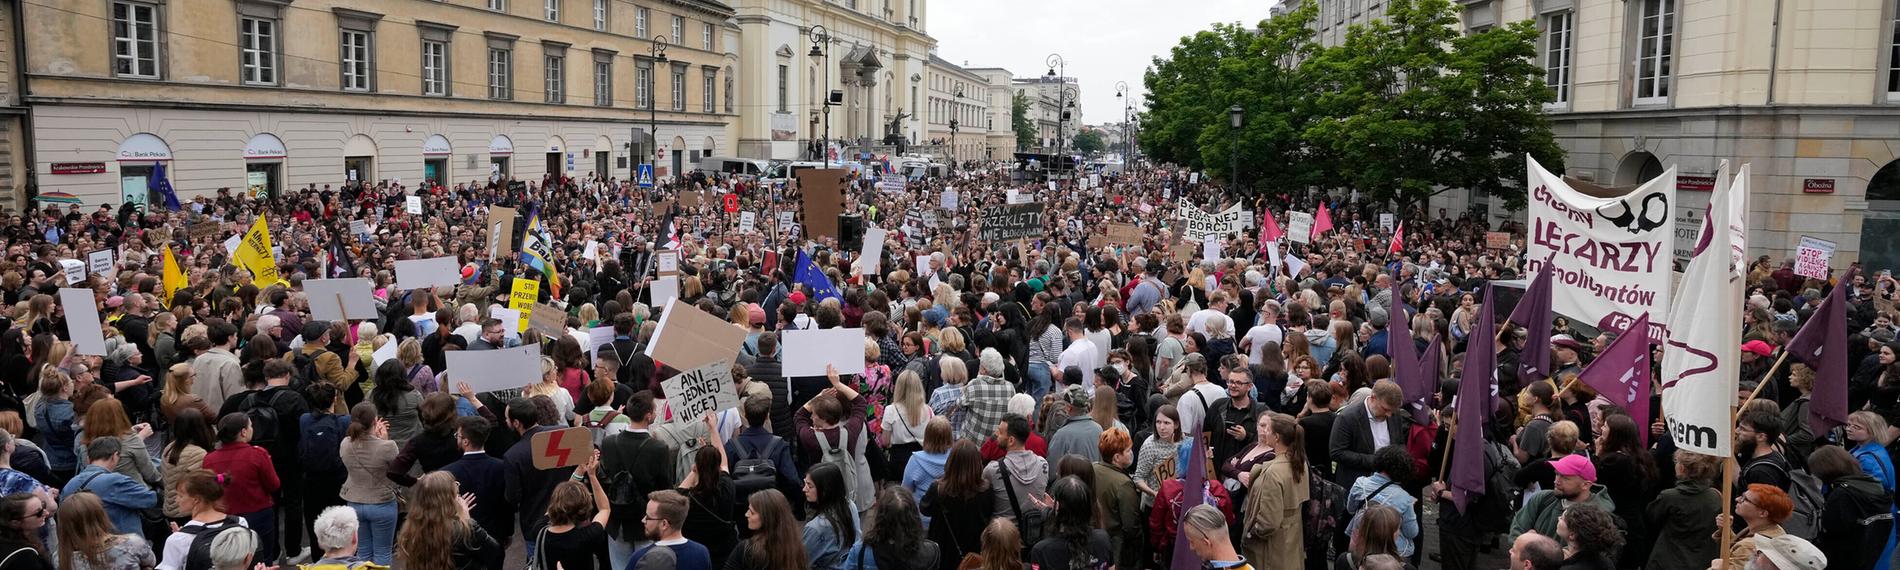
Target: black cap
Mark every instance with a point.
(314, 330)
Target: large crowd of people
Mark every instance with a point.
(1067, 401)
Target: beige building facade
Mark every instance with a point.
(1808, 93)
(961, 96)
(16, 170)
(273, 94)
(872, 54)
(998, 102)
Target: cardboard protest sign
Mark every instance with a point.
(1611, 247)
(1812, 256)
(428, 273)
(689, 200)
(824, 199)
(785, 221)
(688, 338)
(522, 298)
(807, 352)
(384, 354)
(100, 263)
(556, 449)
(1385, 221)
(948, 200)
(82, 321)
(501, 231)
(1011, 221)
(340, 299)
(747, 221)
(548, 319)
(203, 230)
(1200, 224)
(75, 270)
(499, 369)
(510, 318)
(598, 337)
(413, 206)
(1497, 240)
(1299, 227)
(360, 229)
(704, 389)
(923, 264)
(1120, 233)
(663, 288)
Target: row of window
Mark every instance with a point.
(942, 110)
(551, 11)
(135, 33)
(1655, 51)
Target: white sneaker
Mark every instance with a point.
(302, 556)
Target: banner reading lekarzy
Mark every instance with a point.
(1612, 255)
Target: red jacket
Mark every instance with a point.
(992, 452)
(249, 479)
(1162, 519)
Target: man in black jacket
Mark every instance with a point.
(481, 474)
(1363, 428)
(524, 486)
(767, 370)
(637, 456)
(288, 404)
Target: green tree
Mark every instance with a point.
(1089, 142)
(1019, 120)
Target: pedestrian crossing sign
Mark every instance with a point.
(645, 176)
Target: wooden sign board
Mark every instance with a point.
(688, 338)
(556, 449)
(689, 200)
(824, 200)
(1120, 233)
(549, 320)
(1497, 240)
(203, 230)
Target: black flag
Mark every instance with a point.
(340, 264)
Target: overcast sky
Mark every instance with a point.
(1103, 41)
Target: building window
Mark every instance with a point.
(1893, 61)
(710, 89)
(643, 84)
(135, 40)
(784, 88)
(551, 10)
(679, 88)
(555, 78)
(600, 15)
(435, 68)
(1656, 34)
(498, 5)
(258, 40)
(679, 29)
(640, 22)
(500, 73)
(1557, 56)
(706, 36)
(356, 60)
(603, 83)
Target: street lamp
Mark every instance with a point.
(1236, 116)
(955, 108)
(656, 49)
(1121, 92)
(820, 37)
(1056, 63)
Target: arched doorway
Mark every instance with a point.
(679, 157)
(1880, 227)
(1636, 168)
(359, 159)
(140, 156)
(557, 156)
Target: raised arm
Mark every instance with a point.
(604, 508)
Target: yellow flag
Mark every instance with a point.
(174, 276)
(254, 253)
(522, 298)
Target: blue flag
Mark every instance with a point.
(159, 184)
(808, 274)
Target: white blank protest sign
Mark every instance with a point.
(510, 318)
(663, 289)
(807, 352)
(340, 299)
(82, 321)
(871, 258)
(500, 369)
(428, 273)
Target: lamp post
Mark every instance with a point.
(1236, 116)
(1121, 92)
(955, 108)
(656, 49)
(820, 37)
(1059, 72)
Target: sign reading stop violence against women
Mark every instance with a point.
(1012, 221)
(705, 389)
(1611, 255)
(1811, 258)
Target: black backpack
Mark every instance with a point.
(198, 557)
(754, 472)
(263, 414)
(1492, 511)
(319, 450)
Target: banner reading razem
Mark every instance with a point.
(1611, 255)
(1702, 361)
(1199, 224)
(1012, 221)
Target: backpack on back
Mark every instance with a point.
(198, 556)
(319, 448)
(754, 471)
(599, 427)
(1325, 511)
(857, 475)
(1805, 489)
(1492, 511)
(263, 414)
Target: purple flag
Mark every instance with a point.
(1400, 349)
(1533, 313)
(1622, 375)
(1822, 345)
(1426, 379)
(1474, 396)
(1193, 494)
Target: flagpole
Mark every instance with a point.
(1764, 381)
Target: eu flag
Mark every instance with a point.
(808, 274)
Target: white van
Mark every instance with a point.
(728, 165)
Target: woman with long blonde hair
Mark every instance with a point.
(178, 395)
(550, 386)
(904, 420)
(436, 512)
(87, 540)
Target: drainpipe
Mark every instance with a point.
(1774, 52)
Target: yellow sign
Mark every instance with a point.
(526, 292)
(254, 253)
(174, 276)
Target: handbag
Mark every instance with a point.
(540, 552)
